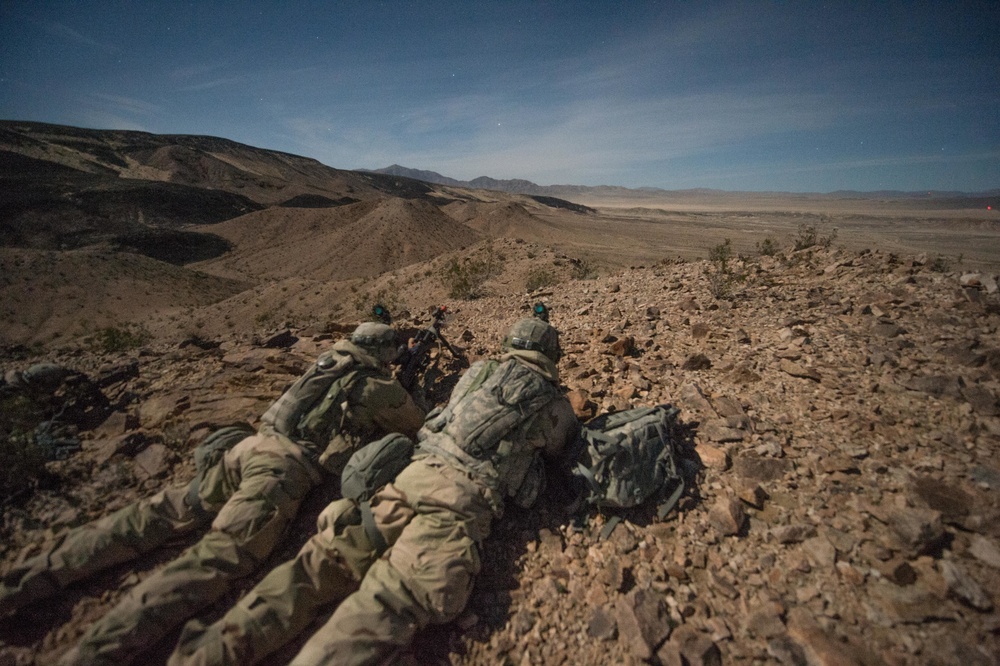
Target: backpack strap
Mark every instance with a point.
(609, 527)
(666, 505)
(371, 530)
(588, 476)
(193, 498)
(370, 468)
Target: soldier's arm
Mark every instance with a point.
(554, 430)
(391, 407)
(562, 428)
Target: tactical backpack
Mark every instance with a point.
(213, 447)
(208, 454)
(489, 402)
(316, 404)
(634, 455)
(502, 396)
(369, 468)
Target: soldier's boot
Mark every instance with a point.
(86, 550)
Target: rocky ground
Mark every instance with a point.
(845, 410)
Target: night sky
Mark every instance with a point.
(786, 96)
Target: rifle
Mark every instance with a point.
(413, 360)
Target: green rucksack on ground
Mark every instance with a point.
(313, 407)
(208, 454)
(370, 468)
(374, 465)
(215, 445)
(632, 457)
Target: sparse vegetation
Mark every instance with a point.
(22, 458)
(387, 296)
(808, 237)
(581, 269)
(940, 264)
(767, 247)
(720, 256)
(465, 279)
(722, 279)
(538, 278)
(114, 339)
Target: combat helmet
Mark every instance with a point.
(536, 335)
(377, 339)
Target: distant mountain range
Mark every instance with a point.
(521, 186)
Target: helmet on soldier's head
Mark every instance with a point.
(377, 339)
(536, 335)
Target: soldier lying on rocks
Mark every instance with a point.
(245, 498)
(416, 562)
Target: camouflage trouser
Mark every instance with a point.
(120, 537)
(254, 492)
(432, 517)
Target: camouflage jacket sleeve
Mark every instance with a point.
(386, 405)
(555, 430)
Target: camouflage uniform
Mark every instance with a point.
(253, 492)
(433, 518)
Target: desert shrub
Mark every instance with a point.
(720, 255)
(464, 280)
(767, 247)
(722, 278)
(808, 237)
(22, 458)
(538, 278)
(940, 264)
(827, 241)
(114, 339)
(581, 269)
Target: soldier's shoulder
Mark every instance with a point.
(379, 389)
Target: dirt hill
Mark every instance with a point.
(58, 298)
(71, 187)
(328, 244)
(509, 219)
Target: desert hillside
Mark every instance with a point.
(844, 407)
(836, 360)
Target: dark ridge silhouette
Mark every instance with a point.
(316, 201)
(554, 202)
(173, 246)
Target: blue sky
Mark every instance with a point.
(787, 96)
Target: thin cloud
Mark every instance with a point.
(126, 105)
(900, 160)
(195, 71)
(69, 34)
(217, 83)
(103, 119)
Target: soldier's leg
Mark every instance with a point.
(425, 578)
(119, 537)
(289, 598)
(245, 531)
(327, 569)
